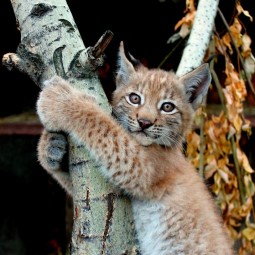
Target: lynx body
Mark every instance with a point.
(141, 152)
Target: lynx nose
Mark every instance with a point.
(144, 123)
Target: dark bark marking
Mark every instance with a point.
(110, 208)
(68, 25)
(76, 215)
(32, 63)
(86, 230)
(127, 253)
(58, 61)
(39, 10)
(75, 69)
(87, 200)
(79, 163)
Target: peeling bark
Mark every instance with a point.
(51, 44)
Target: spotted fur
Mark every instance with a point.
(142, 154)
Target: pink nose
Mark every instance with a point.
(144, 123)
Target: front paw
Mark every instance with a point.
(60, 105)
(51, 150)
(53, 102)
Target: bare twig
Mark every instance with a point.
(170, 53)
(202, 144)
(102, 44)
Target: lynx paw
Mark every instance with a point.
(51, 150)
(59, 103)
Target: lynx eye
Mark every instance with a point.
(134, 98)
(167, 107)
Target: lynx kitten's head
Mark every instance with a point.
(156, 106)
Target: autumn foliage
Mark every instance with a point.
(215, 147)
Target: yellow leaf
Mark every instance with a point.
(243, 160)
(223, 175)
(246, 45)
(228, 96)
(234, 223)
(236, 29)
(249, 233)
(246, 208)
(246, 164)
(190, 5)
(188, 20)
(231, 132)
(241, 10)
(249, 185)
(217, 185)
(227, 42)
(210, 169)
(185, 30)
(238, 123)
(249, 63)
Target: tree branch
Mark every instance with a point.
(51, 44)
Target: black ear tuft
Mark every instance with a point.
(135, 62)
(196, 84)
(125, 68)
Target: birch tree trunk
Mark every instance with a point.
(200, 36)
(51, 44)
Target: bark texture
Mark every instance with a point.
(51, 44)
(200, 36)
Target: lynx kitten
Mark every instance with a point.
(142, 154)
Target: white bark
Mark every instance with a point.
(200, 36)
(50, 44)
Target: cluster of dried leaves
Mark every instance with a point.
(216, 149)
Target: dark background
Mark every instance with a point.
(143, 25)
(32, 215)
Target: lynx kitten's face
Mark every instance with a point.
(153, 107)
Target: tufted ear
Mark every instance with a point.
(125, 67)
(196, 84)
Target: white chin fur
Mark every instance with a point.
(143, 139)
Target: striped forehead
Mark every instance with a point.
(159, 83)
